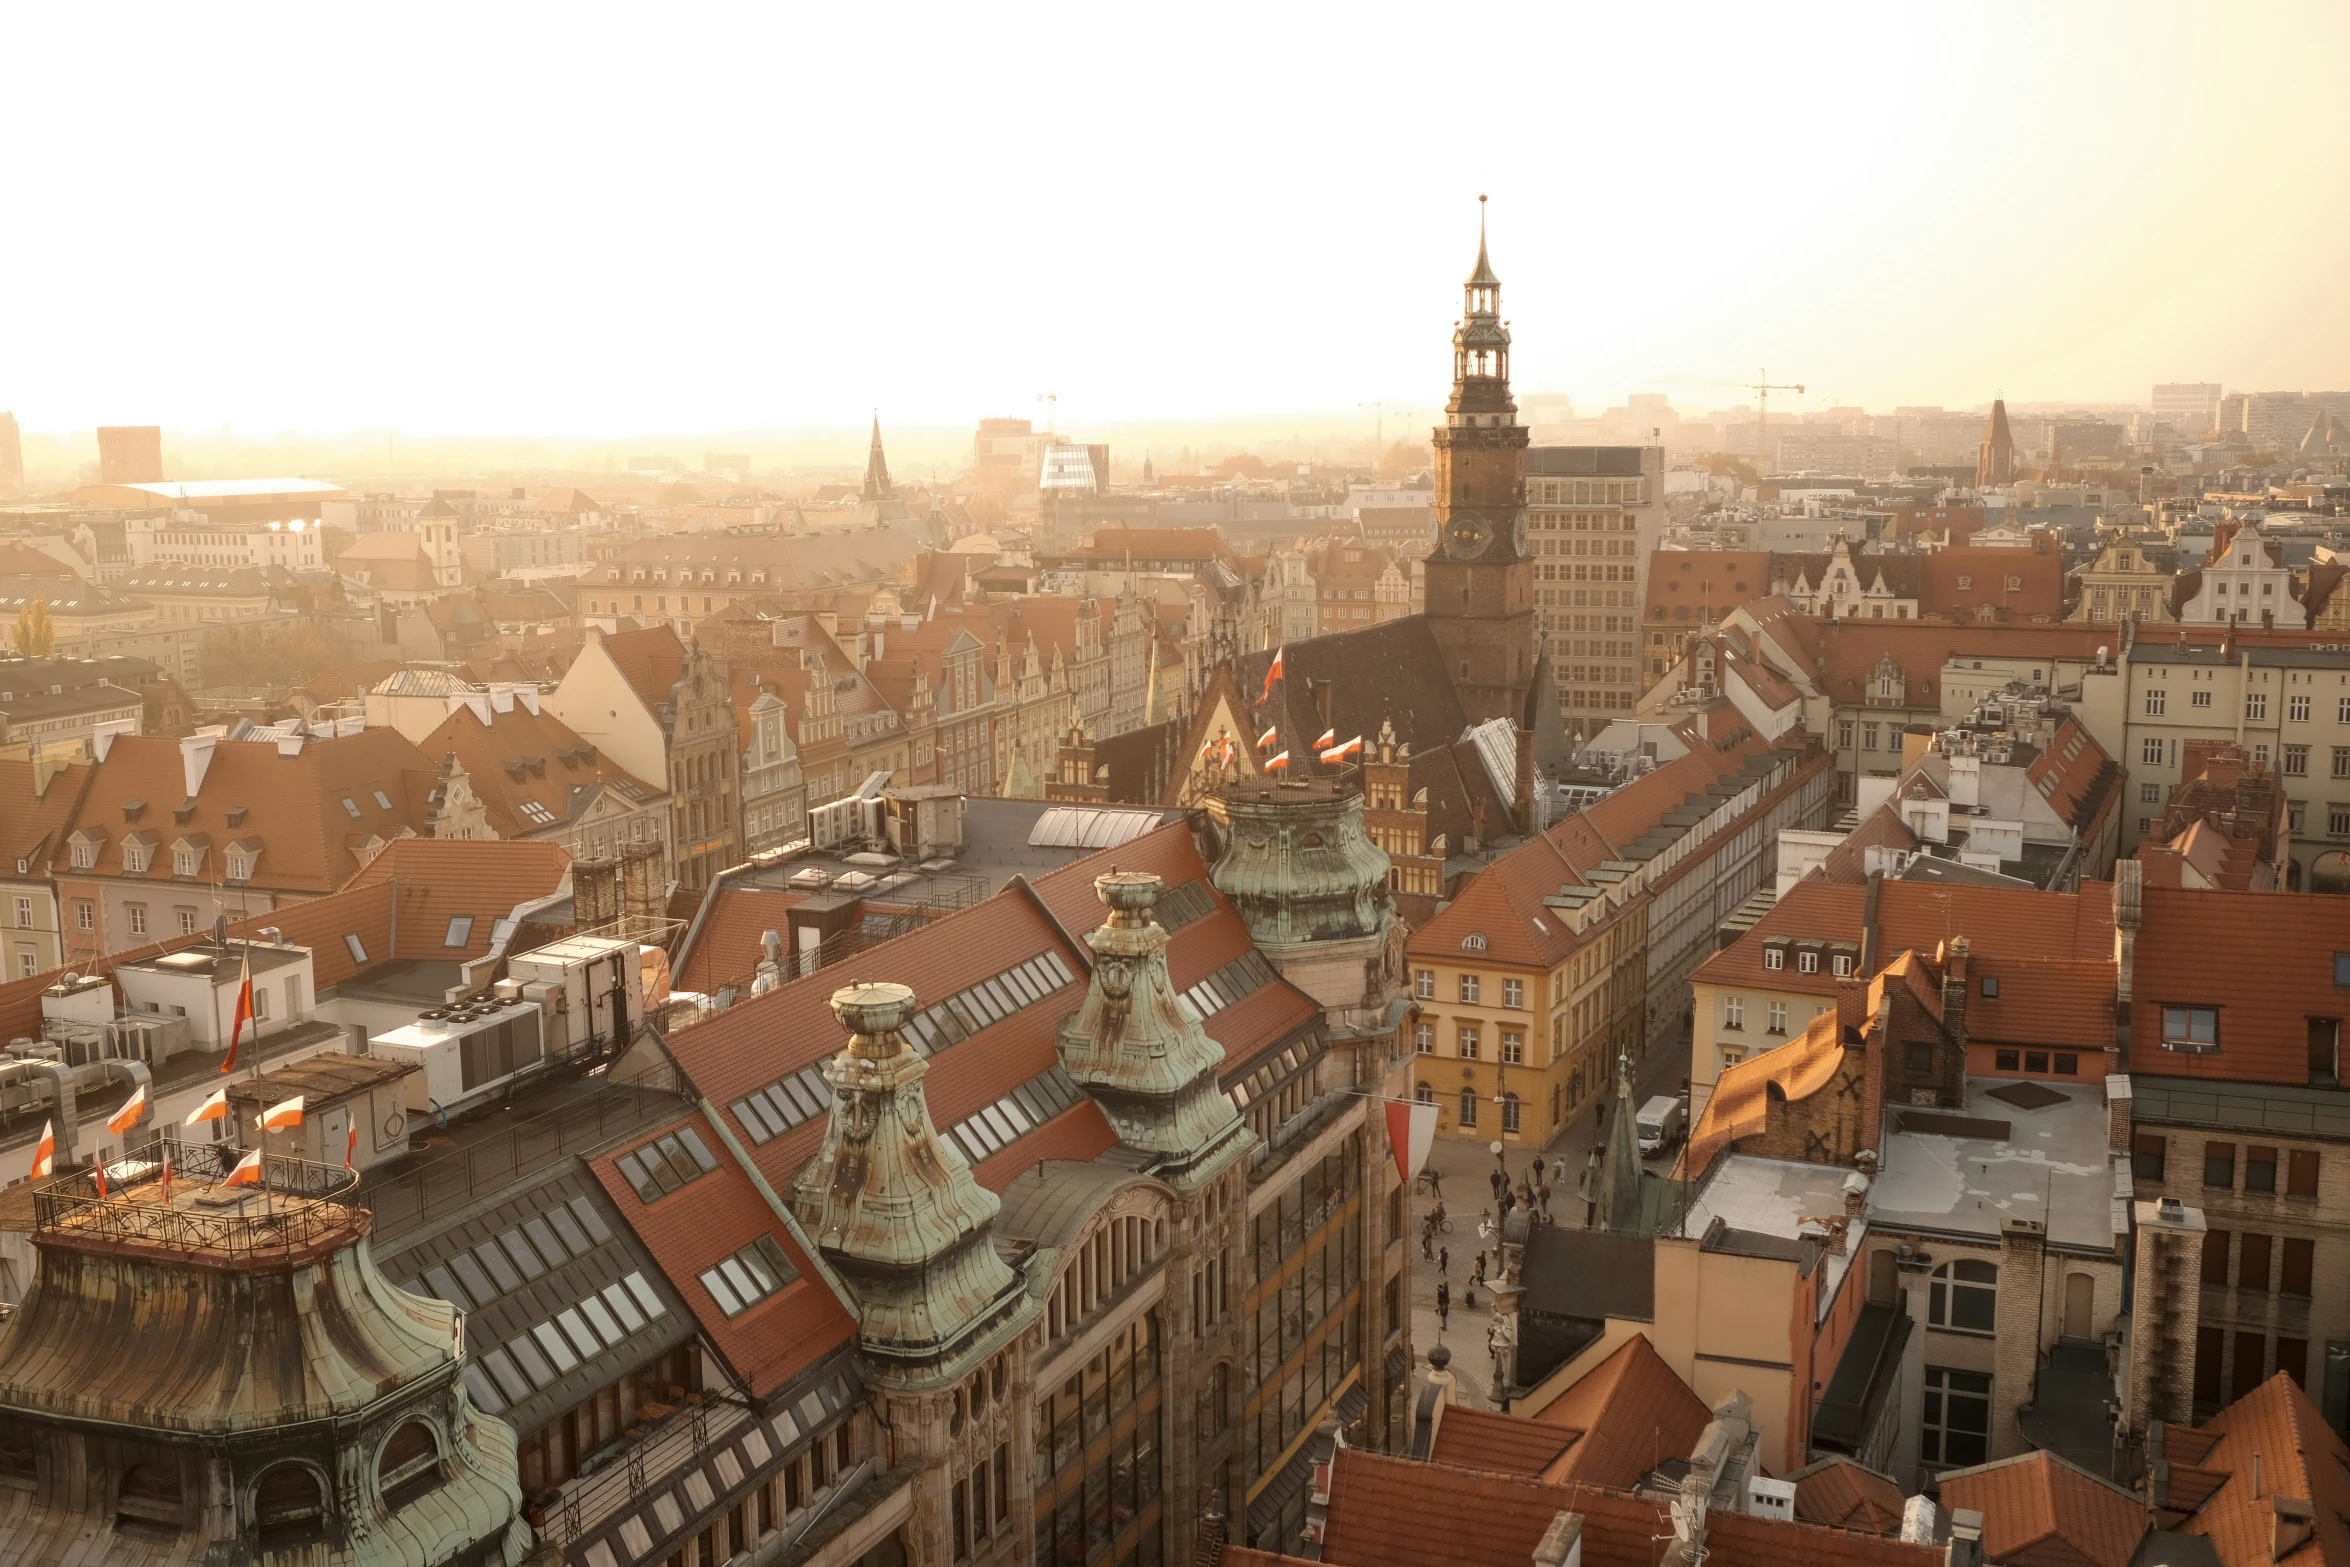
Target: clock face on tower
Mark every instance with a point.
(1518, 534)
(1467, 536)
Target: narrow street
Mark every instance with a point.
(1464, 1168)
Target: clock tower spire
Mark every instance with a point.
(1480, 578)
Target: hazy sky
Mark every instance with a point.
(608, 220)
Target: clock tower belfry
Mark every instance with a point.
(1480, 577)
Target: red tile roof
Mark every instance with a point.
(1473, 1438)
(1697, 587)
(521, 759)
(1625, 1411)
(652, 661)
(2264, 959)
(2016, 585)
(2040, 1511)
(2081, 784)
(728, 945)
(1393, 1512)
(442, 879)
(1844, 1495)
(1740, 1106)
(713, 1218)
(311, 842)
(2299, 1456)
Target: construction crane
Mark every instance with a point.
(1762, 387)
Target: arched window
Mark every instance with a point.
(150, 1496)
(410, 1464)
(1424, 1093)
(289, 1507)
(1509, 1112)
(1468, 1107)
(1964, 1295)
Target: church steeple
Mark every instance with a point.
(1481, 349)
(877, 485)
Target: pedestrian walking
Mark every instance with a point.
(1538, 1168)
(1443, 1259)
(1435, 1185)
(1478, 1277)
(1427, 1243)
(1469, 1298)
(1443, 1305)
(1544, 1194)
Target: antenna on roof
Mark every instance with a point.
(220, 931)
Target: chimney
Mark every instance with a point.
(1966, 1539)
(196, 759)
(1954, 986)
(1561, 1544)
(2119, 1122)
(2295, 1526)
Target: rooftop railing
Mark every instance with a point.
(293, 1207)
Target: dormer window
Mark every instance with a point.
(136, 853)
(1774, 957)
(1807, 962)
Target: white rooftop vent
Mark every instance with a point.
(851, 881)
(813, 878)
(1768, 1498)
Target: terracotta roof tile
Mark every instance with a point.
(652, 661)
(1473, 1438)
(1965, 580)
(1627, 1409)
(2299, 1457)
(520, 759)
(1845, 1495)
(2264, 959)
(2040, 1511)
(711, 1219)
(1740, 1106)
(443, 879)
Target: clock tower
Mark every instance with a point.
(1480, 577)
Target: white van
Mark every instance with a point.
(1661, 1124)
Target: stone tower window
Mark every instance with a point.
(289, 1507)
(409, 1466)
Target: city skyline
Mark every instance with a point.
(699, 247)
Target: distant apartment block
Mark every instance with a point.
(130, 454)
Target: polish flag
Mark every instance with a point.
(128, 1116)
(1207, 751)
(1228, 753)
(45, 1152)
(1339, 753)
(279, 1116)
(1411, 1132)
(228, 1063)
(1278, 764)
(351, 1144)
(211, 1109)
(1265, 740)
(247, 1172)
(98, 1174)
(1272, 674)
(1329, 737)
(167, 1172)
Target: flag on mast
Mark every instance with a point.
(279, 1116)
(247, 1172)
(1278, 764)
(45, 1152)
(1411, 1132)
(1265, 740)
(236, 1031)
(1329, 737)
(128, 1116)
(1339, 753)
(1272, 674)
(351, 1143)
(167, 1172)
(211, 1109)
(98, 1174)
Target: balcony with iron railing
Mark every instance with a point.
(294, 1208)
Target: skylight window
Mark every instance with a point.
(352, 806)
(460, 931)
(357, 948)
(537, 812)
(749, 1276)
(383, 800)
(667, 1163)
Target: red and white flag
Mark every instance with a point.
(98, 1174)
(128, 1116)
(1339, 753)
(167, 1172)
(1277, 764)
(351, 1143)
(247, 1172)
(1411, 1132)
(1265, 740)
(236, 1033)
(1272, 674)
(1229, 753)
(211, 1109)
(45, 1152)
(279, 1116)
(1329, 737)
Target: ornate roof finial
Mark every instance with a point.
(1483, 277)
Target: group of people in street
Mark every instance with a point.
(1531, 1193)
